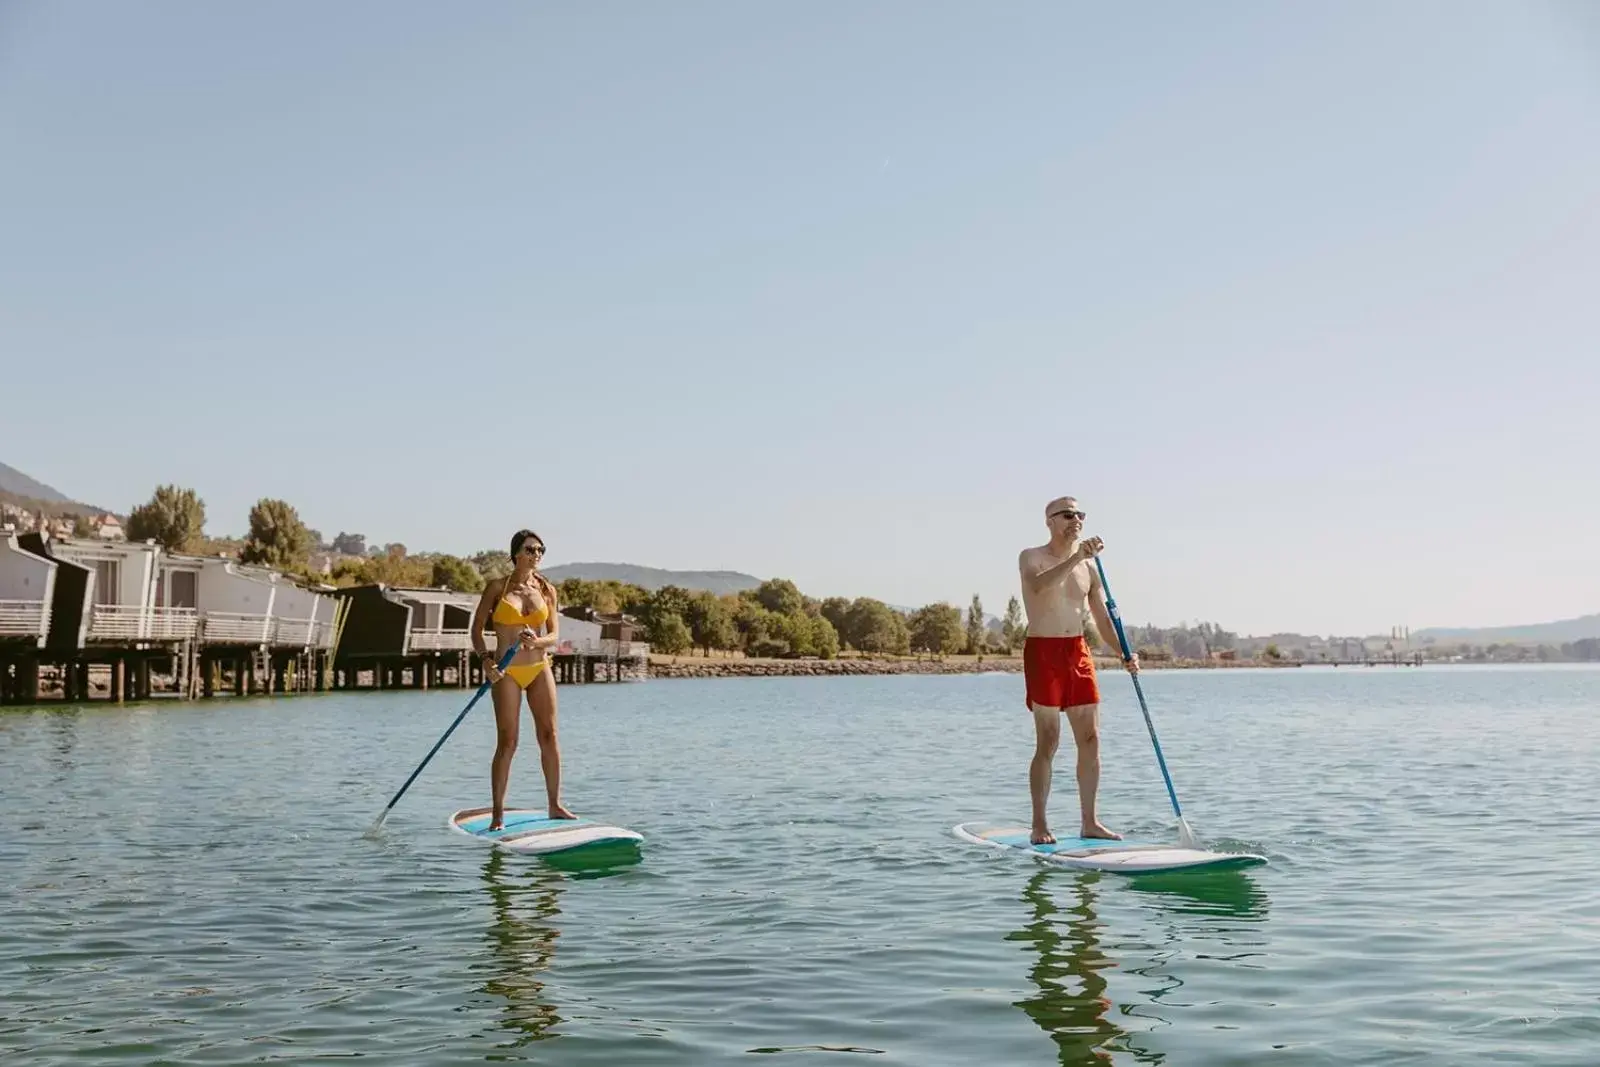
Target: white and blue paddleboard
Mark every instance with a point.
(535, 833)
(1099, 854)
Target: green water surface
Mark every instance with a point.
(189, 883)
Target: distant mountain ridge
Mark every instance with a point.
(14, 481)
(653, 578)
(20, 489)
(1544, 633)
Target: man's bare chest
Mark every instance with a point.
(1071, 583)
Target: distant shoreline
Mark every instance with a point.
(734, 667)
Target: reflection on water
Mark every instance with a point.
(64, 738)
(525, 906)
(1072, 1005)
(1224, 894)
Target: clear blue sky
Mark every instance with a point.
(1298, 300)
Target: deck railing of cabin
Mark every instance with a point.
(24, 618)
(605, 647)
(237, 628)
(172, 624)
(302, 633)
(131, 622)
(437, 640)
(322, 634)
(292, 633)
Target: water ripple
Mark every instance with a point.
(202, 892)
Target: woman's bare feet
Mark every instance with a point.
(559, 810)
(1042, 836)
(1098, 830)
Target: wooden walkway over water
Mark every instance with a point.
(461, 670)
(119, 675)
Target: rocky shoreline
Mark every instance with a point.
(696, 667)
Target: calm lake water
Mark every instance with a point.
(190, 883)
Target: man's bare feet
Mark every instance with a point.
(1098, 830)
(1042, 836)
(561, 811)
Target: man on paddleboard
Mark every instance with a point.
(1060, 587)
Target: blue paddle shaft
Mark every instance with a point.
(1127, 654)
(505, 661)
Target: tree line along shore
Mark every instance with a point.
(757, 630)
(773, 622)
(847, 663)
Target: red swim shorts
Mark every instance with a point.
(1059, 672)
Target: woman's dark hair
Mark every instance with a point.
(522, 535)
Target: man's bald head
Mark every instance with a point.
(1060, 504)
(1063, 518)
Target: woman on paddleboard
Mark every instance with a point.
(520, 606)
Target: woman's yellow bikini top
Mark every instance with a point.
(506, 615)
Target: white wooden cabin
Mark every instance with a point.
(27, 589)
(125, 591)
(246, 605)
(441, 619)
(578, 635)
(303, 618)
(233, 602)
(605, 636)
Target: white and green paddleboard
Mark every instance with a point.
(536, 833)
(1099, 854)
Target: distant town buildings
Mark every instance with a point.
(101, 527)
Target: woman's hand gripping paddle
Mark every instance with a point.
(1186, 836)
